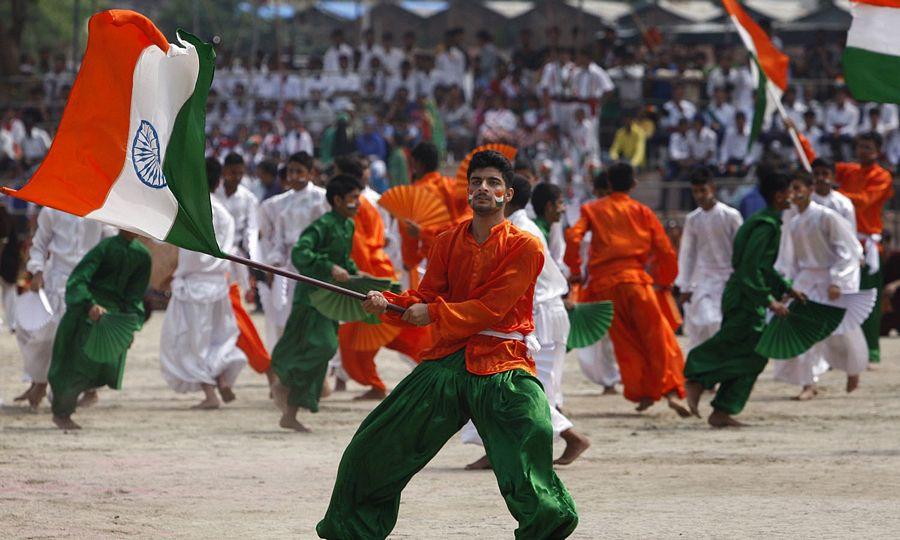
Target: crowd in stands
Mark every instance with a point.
(569, 109)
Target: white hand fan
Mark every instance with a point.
(859, 306)
(33, 311)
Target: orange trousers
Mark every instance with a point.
(360, 365)
(650, 360)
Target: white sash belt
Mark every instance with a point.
(530, 340)
(870, 250)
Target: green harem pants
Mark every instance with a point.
(71, 371)
(301, 356)
(729, 359)
(402, 434)
(872, 326)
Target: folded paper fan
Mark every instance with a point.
(859, 306)
(589, 322)
(807, 324)
(33, 311)
(509, 152)
(368, 337)
(342, 308)
(110, 337)
(415, 204)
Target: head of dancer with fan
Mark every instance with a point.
(477, 295)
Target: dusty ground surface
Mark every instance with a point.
(145, 466)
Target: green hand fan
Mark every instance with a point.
(807, 324)
(110, 336)
(589, 322)
(339, 307)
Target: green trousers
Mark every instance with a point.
(71, 371)
(300, 358)
(402, 434)
(872, 326)
(729, 359)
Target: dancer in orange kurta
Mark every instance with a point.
(416, 241)
(368, 254)
(869, 186)
(626, 235)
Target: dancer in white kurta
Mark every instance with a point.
(243, 206)
(59, 243)
(704, 259)
(824, 193)
(270, 291)
(822, 257)
(551, 324)
(198, 346)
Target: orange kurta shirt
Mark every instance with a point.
(414, 250)
(869, 188)
(470, 288)
(368, 242)
(626, 237)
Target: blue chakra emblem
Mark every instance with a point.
(146, 158)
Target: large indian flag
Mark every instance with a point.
(129, 150)
(872, 57)
(770, 65)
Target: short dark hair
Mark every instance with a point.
(213, 173)
(340, 186)
(803, 176)
(521, 192)
(601, 181)
(700, 176)
(233, 159)
(303, 158)
(269, 166)
(822, 162)
(349, 165)
(490, 158)
(544, 194)
(621, 176)
(872, 136)
(771, 181)
(426, 153)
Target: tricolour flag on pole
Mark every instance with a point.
(770, 65)
(129, 150)
(872, 57)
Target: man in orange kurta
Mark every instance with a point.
(369, 256)
(477, 296)
(416, 241)
(626, 235)
(869, 186)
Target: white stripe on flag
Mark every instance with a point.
(162, 84)
(875, 28)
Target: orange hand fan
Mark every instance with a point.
(415, 204)
(361, 336)
(509, 152)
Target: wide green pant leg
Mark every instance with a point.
(511, 413)
(408, 428)
(729, 360)
(397, 439)
(872, 326)
(301, 356)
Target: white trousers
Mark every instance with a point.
(545, 360)
(847, 352)
(198, 344)
(598, 363)
(9, 305)
(37, 347)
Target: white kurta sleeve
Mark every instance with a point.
(687, 256)
(40, 242)
(251, 232)
(786, 262)
(846, 248)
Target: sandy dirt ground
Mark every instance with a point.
(147, 467)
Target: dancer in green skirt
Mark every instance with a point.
(477, 295)
(729, 358)
(300, 358)
(111, 278)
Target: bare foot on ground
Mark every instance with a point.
(610, 391)
(207, 404)
(721, 419)
(374, 394)
(65, 423)
(808, 392)
(677, 405)
(644, 404)
(694, 390)
(289, 422)
(482, 464)
(89, 398)
(852, 383)
(576, 444)
(340, 385)
(24, 395)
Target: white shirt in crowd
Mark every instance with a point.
(706, 245)
(675, 112)
(735, 147)
(331, 60)
(741, 80)
(398, 81)
(888, 119)
(845, 118)
(298, 140)
(679, 147)
(391, 60)
(450, 66)
(721, 114)
(35, 145)
(366, 54)
(591, 82)
(704, 145)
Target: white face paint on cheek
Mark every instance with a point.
(499, 196)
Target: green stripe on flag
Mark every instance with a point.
(872, 76)
(185, 163)
(759, 108)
